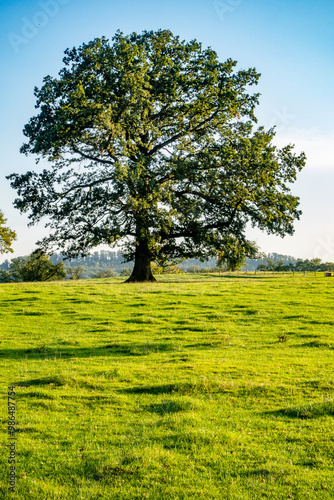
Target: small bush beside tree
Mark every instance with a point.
(35, 267)
(108, 273)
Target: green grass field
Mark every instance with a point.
(205, 387)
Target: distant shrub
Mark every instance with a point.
(76, 272)
(126, 271)
(108, 273)
(35, 267)
(194, 269)
(166, 269)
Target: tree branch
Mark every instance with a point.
(89, 185)
(182, 134)
(99, 160)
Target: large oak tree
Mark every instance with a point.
(150, 142)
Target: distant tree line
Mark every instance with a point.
(276, 258)
(300, 265)
(106, 264)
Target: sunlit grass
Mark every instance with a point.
(202, 387)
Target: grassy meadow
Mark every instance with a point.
(206, 387)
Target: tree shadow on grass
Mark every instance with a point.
(167, 407)
(307, 411)
(256, 473)
(20, 299)
(184, 388)
(139, 349)
(211, 278)
(315, 343)
(157, 389)
(206, 345)
(114, 349)
(56, 381)
(244, 277)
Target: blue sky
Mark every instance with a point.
(291, 43)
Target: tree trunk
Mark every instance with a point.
(142, 269)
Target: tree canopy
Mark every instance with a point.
(151, 145)
(7, 235)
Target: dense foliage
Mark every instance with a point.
(7, 236)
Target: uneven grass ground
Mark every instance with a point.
(206, 387)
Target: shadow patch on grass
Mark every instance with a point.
(100, 330)
(181, 388)
(21, 299)
(21, 430)
(188, 327)
(48, 405)
(36, 394)
(58, 381)
(185, 441)
(167, 407)
(37, 352)
(148, 320)
(295, 316)
(138, 349)
(69, 343)
(315, 322)
(261, 390)
(45, 352)
(245, 309)
(81, 301)
(153, 389)
(138, 304)
(315, 384)
(308, 336)
(36, 313)
(206, 345)
(55, 380)
(106, 473)
(115, 471)
(316, 343)
(312, 410)
(255, 472)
